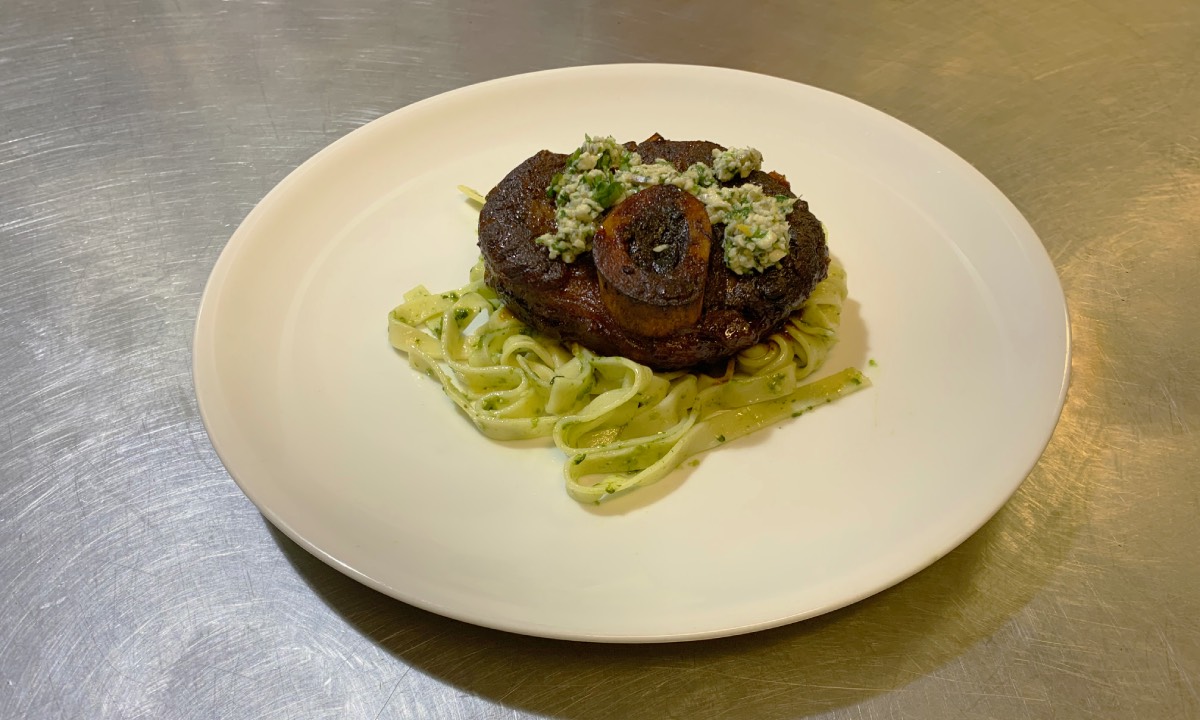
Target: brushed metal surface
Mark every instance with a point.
(137, 582)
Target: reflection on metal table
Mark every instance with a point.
(139, 581)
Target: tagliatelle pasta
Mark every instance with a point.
(619, 424)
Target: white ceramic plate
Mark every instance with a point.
(369, 466)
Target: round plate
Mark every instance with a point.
(955, 312)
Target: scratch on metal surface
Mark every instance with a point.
(1063, 68)
(587, 692)
(395, 686)
(226, 671)
(1181, 671)
(795, 683)
(131, 568)
(1177, 417)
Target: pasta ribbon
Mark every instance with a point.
(620, 425)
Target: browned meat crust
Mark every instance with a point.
(564, 299)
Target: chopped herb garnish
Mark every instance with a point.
(602, 172)
(608, 193)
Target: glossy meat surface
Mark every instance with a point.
(564, 299)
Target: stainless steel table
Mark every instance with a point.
(138, 582)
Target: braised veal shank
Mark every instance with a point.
(676, 308)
